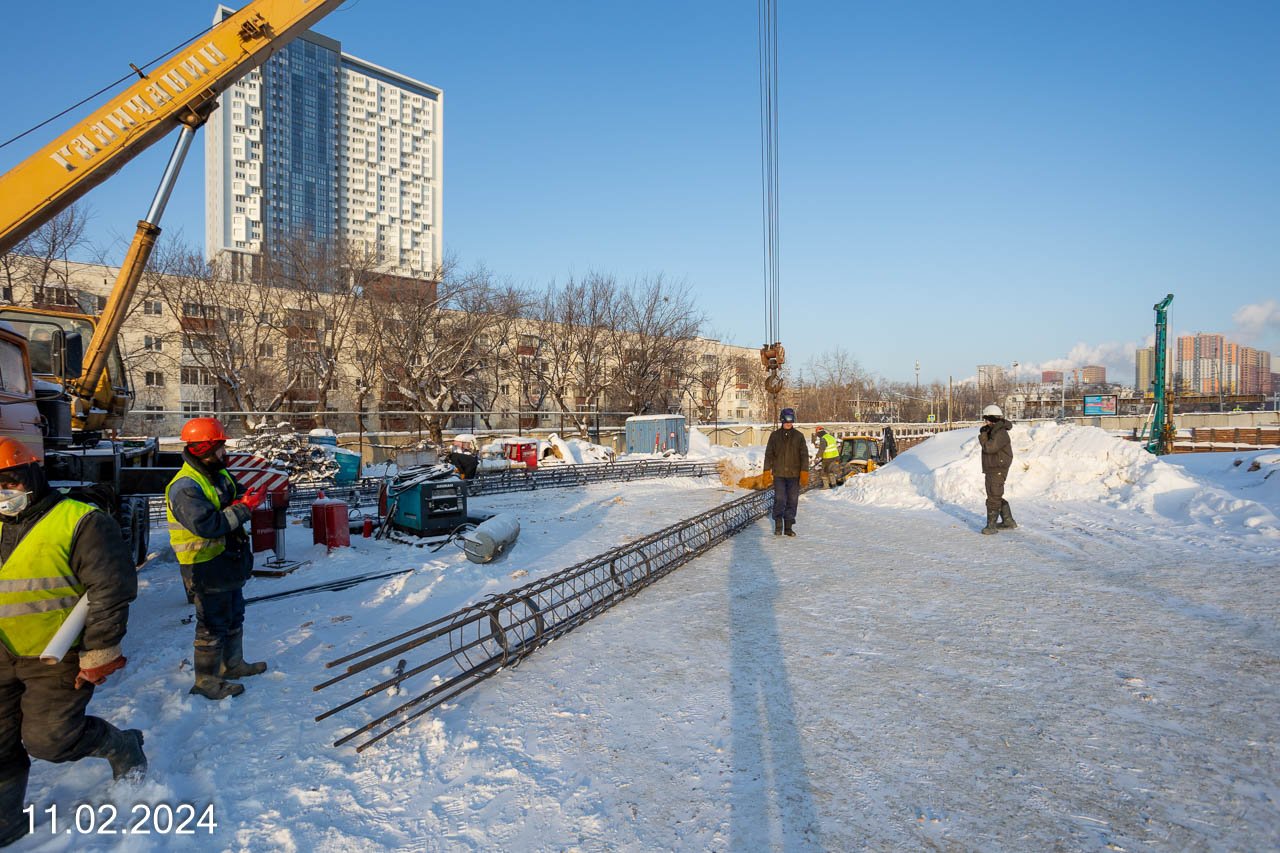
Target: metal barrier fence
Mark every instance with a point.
(458, 651)
(510, 480)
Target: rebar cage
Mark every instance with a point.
(462, 649)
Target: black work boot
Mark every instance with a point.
(209, 684)
(1006, 517)
(777, 527)
(992, 524)
(789, 530)
(13, 792)
(124, 751)
(233, 662)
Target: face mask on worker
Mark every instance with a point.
(214, 458)
(13, 500)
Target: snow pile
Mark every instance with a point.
(701, 448)
(1055, 463)
(576, 451)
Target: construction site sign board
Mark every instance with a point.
(1100, 404)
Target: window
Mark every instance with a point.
(195, 408)
(196, 376)
(13, 371)
(266, 351)
(199, 312)
(151, 343)
(152, 307)
(62, 297)
(154, 379)
(152, 413)
(193, 343)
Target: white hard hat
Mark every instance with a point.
(992, 411)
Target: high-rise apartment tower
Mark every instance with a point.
(321, 147)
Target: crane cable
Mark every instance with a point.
(771, 353)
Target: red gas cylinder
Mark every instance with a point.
(531, 456)
(367, 531)
(329, 525)
(263, 527)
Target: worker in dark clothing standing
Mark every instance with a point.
(786, 455)
(207, 509)
(53, 551)
(997, 457)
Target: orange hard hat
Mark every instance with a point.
(14, 453)
(203, 429)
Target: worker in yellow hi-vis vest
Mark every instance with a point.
(828, 451)
(53, 551)
(207, 510)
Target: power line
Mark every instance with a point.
(136, 71)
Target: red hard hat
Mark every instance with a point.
(14, 453)
(203, 429)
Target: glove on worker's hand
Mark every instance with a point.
(251, 498)
(98, 674)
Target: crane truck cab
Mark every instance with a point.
(40, 352)
(20, 416)
(56, 343)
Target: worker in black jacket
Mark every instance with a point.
(54, 550)
(786, 454)
(997, 457)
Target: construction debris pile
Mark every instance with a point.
(289, 451)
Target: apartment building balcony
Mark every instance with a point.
(196, 325)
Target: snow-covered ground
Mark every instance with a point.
(1105, 677)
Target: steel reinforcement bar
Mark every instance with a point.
(460, 650)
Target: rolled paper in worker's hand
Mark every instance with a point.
(67, 634)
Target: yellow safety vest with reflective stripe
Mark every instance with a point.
(830, 447)
(189, 547)
(37, 587)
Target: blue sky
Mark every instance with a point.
(961, 183)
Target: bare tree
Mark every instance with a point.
(715, 375)
(40, 262)
(496, 352)
(652, 345)
(432, 334)
(576, 322)
(320, 290)
(226, 336)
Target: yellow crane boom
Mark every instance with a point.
(180, 92)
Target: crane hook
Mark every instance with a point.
(772, 356)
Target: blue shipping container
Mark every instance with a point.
(657, 434)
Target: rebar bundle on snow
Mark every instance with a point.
(458, 651)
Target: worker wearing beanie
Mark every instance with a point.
(207, 509)
(53, 551)
(786, 454)
(997, 458)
